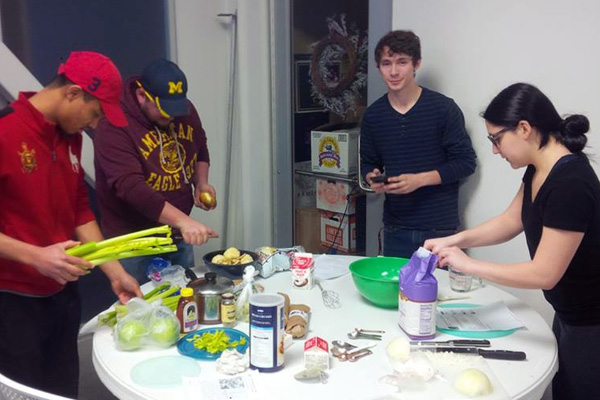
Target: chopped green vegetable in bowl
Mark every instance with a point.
(208, 344)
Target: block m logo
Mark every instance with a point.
(175, 87)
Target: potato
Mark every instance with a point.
(231, 253)
(218, 259)
(207, 199)
(246, 258)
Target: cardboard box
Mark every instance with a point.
(334, 152)
(316, 353)
(338, 231)
(332, 195)
(307, 228)
(304, 187)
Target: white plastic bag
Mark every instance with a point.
(242, 305)
(146, 325)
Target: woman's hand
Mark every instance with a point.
(437, 244)
(454, 257)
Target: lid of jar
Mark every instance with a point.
(214, 284)
(187, 292)
(227, 295)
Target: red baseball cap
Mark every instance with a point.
(97, 75)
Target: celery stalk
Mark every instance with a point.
(133, 245)
(86, 248)
(135, 253)
(172, 290)
(159, 289)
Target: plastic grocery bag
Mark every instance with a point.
(146, 325)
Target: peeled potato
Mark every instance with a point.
(473, 383)
(231, 253)
(218, 259)
(246, 258)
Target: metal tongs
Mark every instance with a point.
(359, 333)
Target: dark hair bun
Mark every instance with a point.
(573, 130)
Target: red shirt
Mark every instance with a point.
(42, 193)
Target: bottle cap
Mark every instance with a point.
(187, 292)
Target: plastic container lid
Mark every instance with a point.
(266, 300)
(164, 372)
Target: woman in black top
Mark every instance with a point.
(558, 208)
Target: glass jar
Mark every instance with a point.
(228, 310)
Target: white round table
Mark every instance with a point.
(526, 380)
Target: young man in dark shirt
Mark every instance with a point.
(417, 138)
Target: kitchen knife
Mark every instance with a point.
(491, 354)
(454, 343)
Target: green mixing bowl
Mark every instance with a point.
(376, 278)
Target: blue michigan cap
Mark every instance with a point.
(167, 84)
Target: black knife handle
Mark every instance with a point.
(503, 355)
(470, 342)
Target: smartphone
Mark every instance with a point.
(380, 179)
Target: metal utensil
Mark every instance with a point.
(491, 354)
(331, 299)
(361, 334)
(454, 343)
(450, 298)
(355, 355)
(343, 345)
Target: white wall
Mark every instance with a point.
(472, 49)
(203, 52)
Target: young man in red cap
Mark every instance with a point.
(43, 206)
(153, 171)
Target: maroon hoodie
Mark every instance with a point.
(137, 170)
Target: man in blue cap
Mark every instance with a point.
(153, 171)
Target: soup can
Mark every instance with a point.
(266, 332)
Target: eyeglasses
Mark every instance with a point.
(495, 138)
(155, 100)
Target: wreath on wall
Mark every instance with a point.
(338, 67)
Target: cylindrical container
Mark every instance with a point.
(228, 310)
(266, 332)
(187, 311)
(459, 281)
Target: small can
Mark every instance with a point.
(228, 310)
(266, 332)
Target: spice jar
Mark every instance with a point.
(228, 310)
